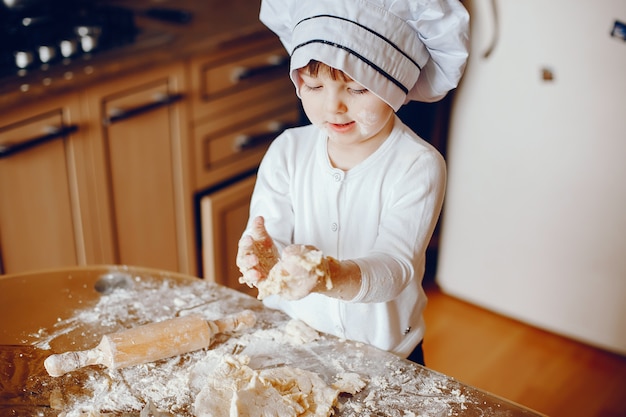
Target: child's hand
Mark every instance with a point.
(256, 254)
(300, 270)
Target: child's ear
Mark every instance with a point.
(297, 80)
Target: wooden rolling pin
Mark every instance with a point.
(149, 343)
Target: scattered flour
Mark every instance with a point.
(300, 333)
(278, 362)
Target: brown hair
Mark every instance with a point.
(313, 68)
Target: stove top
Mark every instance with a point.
(39, 35)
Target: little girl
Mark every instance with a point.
(343, 209)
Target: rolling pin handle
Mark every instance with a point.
(62, 363)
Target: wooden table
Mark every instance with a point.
(55, 311)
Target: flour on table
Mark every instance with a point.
(283, 354)
(299, 333)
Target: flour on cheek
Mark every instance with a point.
(367, 120)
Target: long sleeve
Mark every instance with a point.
(407, 221)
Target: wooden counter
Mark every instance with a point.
(70, 309)
(215, 23)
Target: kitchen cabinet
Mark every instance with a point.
(99, 177)
(243, 98)
(45, 218)
(140, 140)
(123, 163)
(224, 217)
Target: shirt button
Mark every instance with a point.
(337, 176)
(334, 227)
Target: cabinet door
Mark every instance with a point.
(224, 215)
(40, 218)
(143, 139)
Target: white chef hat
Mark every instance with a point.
(399, 50)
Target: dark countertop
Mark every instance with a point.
(70, 309)
(215, 23)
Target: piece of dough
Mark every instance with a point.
(234, 389)
(299, 270)
(349, 382)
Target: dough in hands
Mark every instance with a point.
(297, 273)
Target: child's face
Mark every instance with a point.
(346, 110)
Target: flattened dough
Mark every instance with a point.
(234, 389)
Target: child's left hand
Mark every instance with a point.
(256, 254)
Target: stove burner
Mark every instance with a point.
(38, 37)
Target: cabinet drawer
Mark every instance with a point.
(226, 78)
(138, 100)
(231, 81)
(224, 150)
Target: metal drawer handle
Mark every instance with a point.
(244, 142)
(160, 100)
(8, 149)
(275, 62)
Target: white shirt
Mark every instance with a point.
(380, 214)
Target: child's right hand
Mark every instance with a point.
(256, 254)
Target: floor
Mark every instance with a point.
(548, 373)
